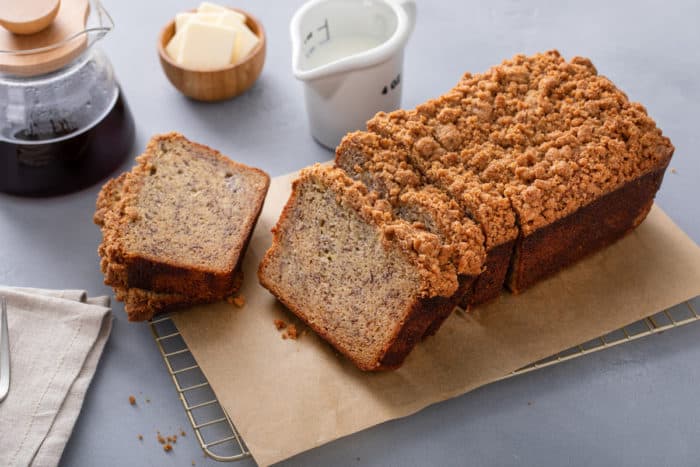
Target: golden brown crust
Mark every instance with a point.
(463, 236)
(109, 195)
(596, 225)
(484, 202)
(143, 305)
(378, 162)
(384, 168)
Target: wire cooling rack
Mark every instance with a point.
(217, 434)
(212, 426)
(677, 316)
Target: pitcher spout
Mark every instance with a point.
(338, 36)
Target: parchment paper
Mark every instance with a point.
(289, 396)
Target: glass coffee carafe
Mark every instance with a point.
(64, 123)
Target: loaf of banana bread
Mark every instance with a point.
(548, 160)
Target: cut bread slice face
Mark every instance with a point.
(183, 219)
(368, 283)
(142, 304)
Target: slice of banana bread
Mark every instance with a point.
(183, 221)
(141, 304)
(368, 283)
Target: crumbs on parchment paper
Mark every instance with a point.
(236, 300)
(289, 330)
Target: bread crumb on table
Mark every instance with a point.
(167, 448)
(140, 437)
(132, 400)
(673, 171)
(292, 332)
(160, 438)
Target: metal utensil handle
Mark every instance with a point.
(4, 352)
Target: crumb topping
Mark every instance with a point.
(551, 135)
(460, 233)
(384, 168)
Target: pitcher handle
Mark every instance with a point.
(409, 6)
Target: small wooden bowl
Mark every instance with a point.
(220, 83)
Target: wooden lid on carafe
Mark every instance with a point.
(29, 25)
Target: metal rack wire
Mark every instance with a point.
(677, 316)
(217, 434)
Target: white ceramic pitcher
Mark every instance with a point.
(349, 54)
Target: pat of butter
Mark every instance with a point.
(231, 18)
(245, 42)
(183, 18)
(175, 44)
(206, 46)
(208, 7)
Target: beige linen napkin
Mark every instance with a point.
(56, 340)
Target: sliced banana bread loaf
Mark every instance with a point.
(367, 282)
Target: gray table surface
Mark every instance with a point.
(635, 405)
